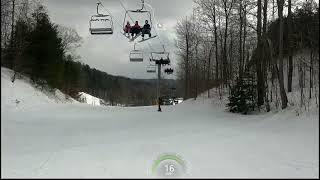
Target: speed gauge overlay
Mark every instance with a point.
(169, 165)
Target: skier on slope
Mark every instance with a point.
(159, 103)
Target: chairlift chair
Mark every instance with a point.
(164, 55)
(168, 70)
(136, 55)
(141, 11)
(151, 69)
(101, 23)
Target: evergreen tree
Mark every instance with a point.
(46, 50)
(243, 95)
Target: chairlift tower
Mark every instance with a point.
(160, 62)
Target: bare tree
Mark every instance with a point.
(260, 80)
(283, 95)
(183, 43)
(290, 69)
(240, 11)
(70, 38)
(227, 6)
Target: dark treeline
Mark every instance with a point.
(303, 32)
(34, 46)
(255, 46)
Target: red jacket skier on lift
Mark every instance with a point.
(127, 28)
(136, 29)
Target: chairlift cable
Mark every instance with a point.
(156, 30)
(150, 47)
(126, 10)
(110, 14)
(162, 43)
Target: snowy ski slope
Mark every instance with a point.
(41, 138)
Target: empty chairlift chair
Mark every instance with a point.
(100, 23)
(136, 55)
(164, 56)
(151, 69)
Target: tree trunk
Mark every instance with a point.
(265, 17)
(240, 40)
(216, 42)
(264, 59)
(225, 60)
(187, 62)
(311, 74)
(12, 21)
(196, 74)
(230, 69)
(290, 69)
(272, 84)
(209, 72)
(283, 95)
(301, 84)
(244, 33)
(273, 11)
(221, 54)
(260, 79)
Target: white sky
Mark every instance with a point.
(111, 53)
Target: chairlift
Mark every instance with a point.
(151, 69)
(136, 55)
(163, 60)
(101, 23)
(138, 11)
(168, 70)
(162, 54)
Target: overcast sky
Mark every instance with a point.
(111, 53)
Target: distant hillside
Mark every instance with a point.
(169, 87)
(171, 82)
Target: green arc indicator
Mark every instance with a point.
(167, 157)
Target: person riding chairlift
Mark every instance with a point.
(146, 29)
(136, 29)
(127, 28)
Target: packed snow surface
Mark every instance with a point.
(44, 139)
